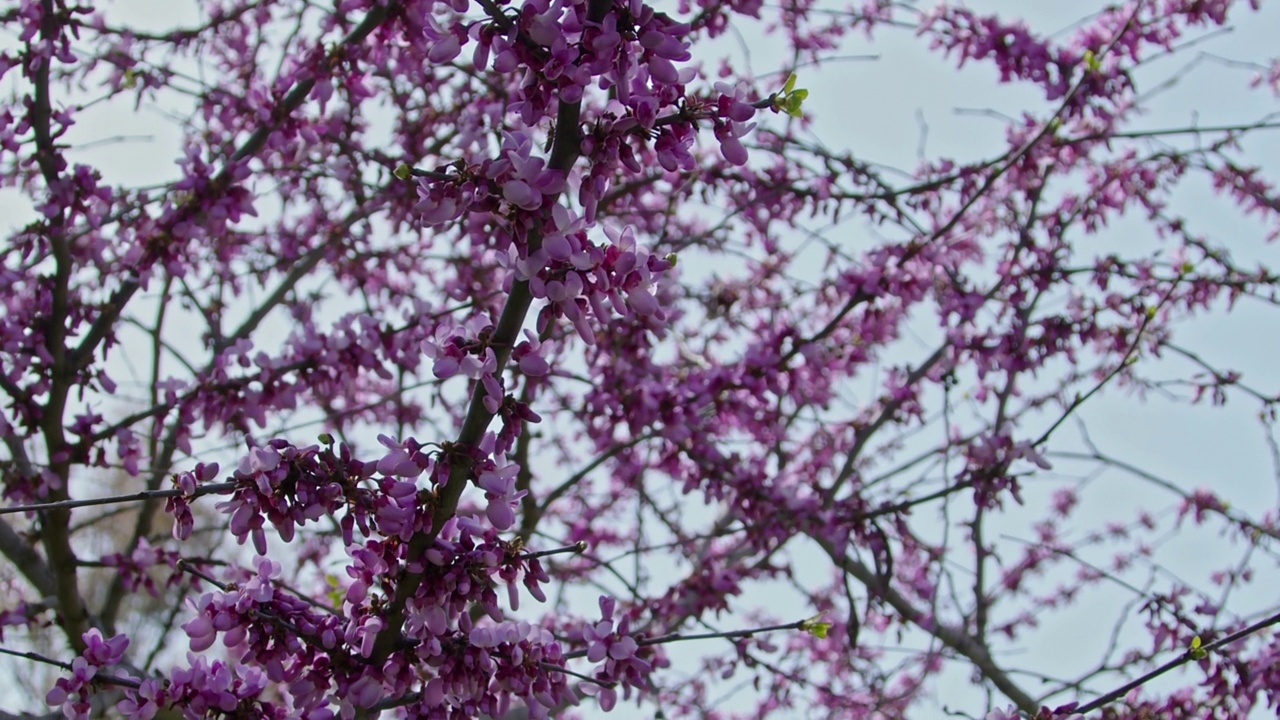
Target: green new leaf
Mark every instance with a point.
(815, 627)
(794, 101)
(1195, 650)
(403, 171)
(1091, 61)
(336, 594)
(790, 98)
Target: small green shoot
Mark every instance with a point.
(1196, 651)
(815, 627)
(791, 98)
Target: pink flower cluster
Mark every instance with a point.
(134, 568)
(623, 661)
(72, 693)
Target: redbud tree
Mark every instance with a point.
(524, 359)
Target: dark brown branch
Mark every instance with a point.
(564, 154)
(1179, 661)
(210, 489)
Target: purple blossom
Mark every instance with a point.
(499, 485)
